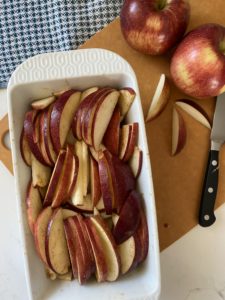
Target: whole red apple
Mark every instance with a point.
(154, 26)
(198, 64)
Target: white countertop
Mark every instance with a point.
(193, 268)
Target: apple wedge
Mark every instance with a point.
(61, 117)
(102, 118)
(42, 103)
(54, 178)
(33, 205)
(195, 111)
(135, 161)
(86, 168)
(160, 98)
(126, 98)
(31, 132)
(128, 251)
(125, 133)
(56, 249)
(98, 251)
(42, 191)
(40, 229)
(25, 149)
(70, 139)
(178, 132)
(88, 92)
(109, 247)
(95, 182)
(41, 141)
(40, 173)
(133, 137)
(94, 153)
(129, 218)
(47, 136)
(111, 138)
(53, 276)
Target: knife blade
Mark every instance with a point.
(209, 191)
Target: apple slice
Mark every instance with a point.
(125, 133)
(102, 118)
(135, 161)
(127, 96)
(42, 191)
(128, 251)
(178, 132)
(33, 205)
(160, 98)
(85, 165)
(133, 137)
(98, 251)
(129, 218)
(53, 276)
(88, 92)
(54, 178)
(43, 103)
(57, 94)
(112, 135)
(64, 181)
(40, 229)
(94, 153)
(42, 143)
(40, 173)
(62, 116)
(95, 182)
(70, 139)
(47, 137)
(25, 149)
(194, 110)
(100, 205)
(110, 249)
(56, 250)
(31, 133)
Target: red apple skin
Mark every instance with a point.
(112, 135)
(95, 182)
(25, 149)
(198, 64)
(151, 29)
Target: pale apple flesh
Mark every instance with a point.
(126, 99)
(40, 173)
(135, 161)
(43, 103)
(178, 132)
(153, 27)
(198, 64)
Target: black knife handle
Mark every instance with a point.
(206, 213)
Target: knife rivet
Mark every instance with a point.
(210, 190)
(206, 217)
(214, 163)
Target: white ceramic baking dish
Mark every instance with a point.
(37, 77)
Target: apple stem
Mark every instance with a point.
(161, 4)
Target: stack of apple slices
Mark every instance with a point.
(83, 209)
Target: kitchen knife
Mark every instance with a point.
(206, 213)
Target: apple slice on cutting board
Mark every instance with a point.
(43, 103)
(160, 98)
(126, 98)
(178, 132)
(33, 205)
(61, 117)
(195, 111)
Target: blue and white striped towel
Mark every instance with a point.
(29, 27)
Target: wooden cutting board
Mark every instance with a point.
(177, 180)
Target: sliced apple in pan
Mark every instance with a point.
(178, 132)
(127, 96)
(56, 249)
(160, 98)
(95, 182)
(112, 135)
(54, 178)
(47, 136)
(125, 133)
(62, 116)
(98, 251)
(86, 168)
(33, 205)
(133, 137)
(40, 173)
(40, 229)
(70, 139)
(88, 114)
(100, 205)
(135, 161)
(88, 92)
(31, 133)
(102, 118)
(53, 276)
(195, 111)
(42, 191)
(110, 248)
(94, 153)
(43, 103)
(129, 218)
(25, 149)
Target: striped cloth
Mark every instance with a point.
(29, 27)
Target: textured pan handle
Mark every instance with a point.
(5, 153)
